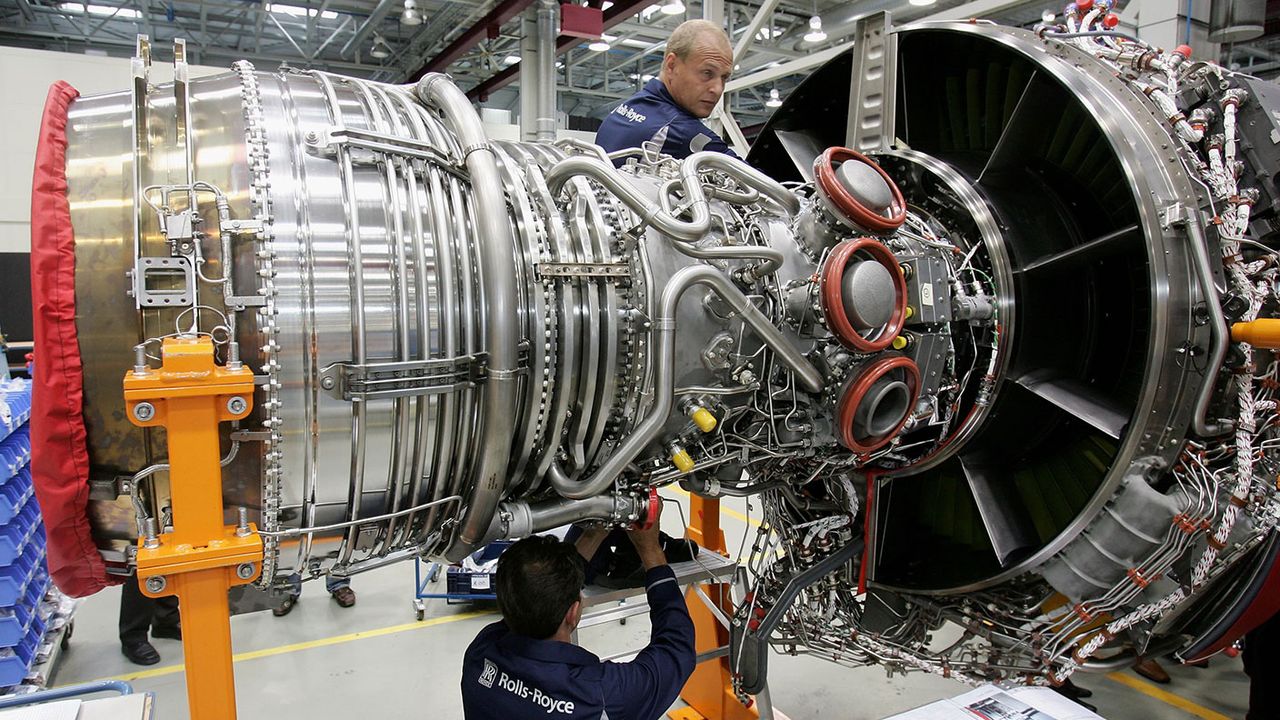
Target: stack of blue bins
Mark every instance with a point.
(24, 574)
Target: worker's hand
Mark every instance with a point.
(646, 542)
(589, 541)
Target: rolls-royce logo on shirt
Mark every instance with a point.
(629, 114)
(490, 673)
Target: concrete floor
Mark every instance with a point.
(375, 660)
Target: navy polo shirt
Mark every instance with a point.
(652, 115)
(506, 676)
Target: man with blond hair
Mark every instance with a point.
(667, 113)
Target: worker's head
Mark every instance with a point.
(539, 587)
(697, 65)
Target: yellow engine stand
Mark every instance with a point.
(189, 395)
(709, 691)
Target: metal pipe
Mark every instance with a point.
(1218, 333)
(497, 267)
(693, 229)
(297, 532)
(545, 125)
(521, 519)
(614, 182)
(662, 338)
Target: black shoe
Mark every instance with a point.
(167, 632)
(140, 653)
(285, 606)
(1073, 691)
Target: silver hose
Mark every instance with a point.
(662, 338)
(497, 267)
(1218, 334)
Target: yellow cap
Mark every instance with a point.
(910, 311)
(703, 418)
(900, 342)
(682, 460)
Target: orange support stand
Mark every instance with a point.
(189, 395)
(709, 691)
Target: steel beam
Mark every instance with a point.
(496, 18)
(370, 24)
(621, 10)
(787, 68)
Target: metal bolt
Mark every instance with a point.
(144, 411)
(245, 571)
(156, 584)
(327, 383)
(242, 527)
(313, 137)
(150, 538)
(236, 405)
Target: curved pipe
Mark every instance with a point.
(691, 230)
(662, 337)
(1218, 334)
(497, 265)
(770, 258)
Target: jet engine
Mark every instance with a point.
(962, 328)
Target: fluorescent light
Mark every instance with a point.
(773, 101)
(100, 10)
(296, 11)
(815, 34)
(673, 7)
(922, 3)
(511, 60)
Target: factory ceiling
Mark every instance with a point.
(478, 41)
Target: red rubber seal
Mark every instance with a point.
(833, 295)
(59, 445)
(857, 389)
(824, 169)
(651, 511)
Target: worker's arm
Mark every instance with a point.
(589, 541)
(644, 688)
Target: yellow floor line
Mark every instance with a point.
(1168, 698)
(723, 510)
(309, 644)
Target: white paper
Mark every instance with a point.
(60, 710)
(480, 582)
(993, 703)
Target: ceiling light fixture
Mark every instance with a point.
(922, 3)
(773, 101)
(411, 14)
(380, 49)
(815, 34)
(673, 7)
(511, 60)
(106, 10)
(602, 44)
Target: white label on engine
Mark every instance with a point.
(926, 294)
(480, 582)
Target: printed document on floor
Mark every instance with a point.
(993, 703)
